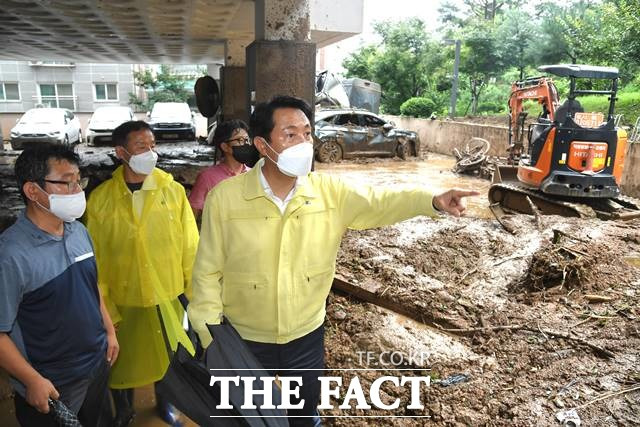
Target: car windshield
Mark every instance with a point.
(323, 116)
(115, 114)
(41, 116)
(173, 111)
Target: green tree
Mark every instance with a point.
(480, 60)
(490, 9)
(628, 25)
(581, 32)
(361, 63)
(165, 86)
(516, 37)
(450, 14)
(405, 63)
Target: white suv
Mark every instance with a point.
(104, 120)
(56, 125)
(172, 120)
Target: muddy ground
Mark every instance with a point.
(524, 342)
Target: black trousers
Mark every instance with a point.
(300, 355)
(91, 394)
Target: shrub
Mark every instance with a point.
(418, 107)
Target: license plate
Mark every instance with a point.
(170, 135)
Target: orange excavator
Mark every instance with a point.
(573, 161)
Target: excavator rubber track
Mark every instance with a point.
(505, 197)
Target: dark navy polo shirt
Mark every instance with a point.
(49, 300)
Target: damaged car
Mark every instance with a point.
(348, 133)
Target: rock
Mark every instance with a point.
(338, 314)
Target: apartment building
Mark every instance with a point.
(80, 87)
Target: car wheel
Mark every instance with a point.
(66, 140)
(329, 152)
(404, 150)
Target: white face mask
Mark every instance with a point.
(295, 161)
(143, 163)
(67, 207)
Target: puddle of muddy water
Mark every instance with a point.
(434, 173)
(632, 259)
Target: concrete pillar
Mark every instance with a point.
(281, 61)
(283, 20)
(234, 81)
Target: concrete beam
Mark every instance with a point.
(235, 52)
(283, 20)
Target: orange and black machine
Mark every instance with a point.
(572, 153)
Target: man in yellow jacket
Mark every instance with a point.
(269, 242)
(145, 240)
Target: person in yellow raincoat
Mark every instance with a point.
(145, 238)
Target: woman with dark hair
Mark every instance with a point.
(232, 139)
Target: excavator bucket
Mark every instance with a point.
(504, 174)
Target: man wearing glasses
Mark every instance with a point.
(145, 237)
(232, 138)
(57, 340)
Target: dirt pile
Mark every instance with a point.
(530, 325)
(553, 266)
(569, 263)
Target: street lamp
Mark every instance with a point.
(454, 85)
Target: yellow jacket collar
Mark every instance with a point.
(253, 188)
(157, 179)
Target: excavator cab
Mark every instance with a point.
(576, 154)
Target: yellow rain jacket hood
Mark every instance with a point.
(142, 260)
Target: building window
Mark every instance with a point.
(57, 95)
(9, 92)
(51, 64)
(106, 91)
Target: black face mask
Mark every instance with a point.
(246, 154)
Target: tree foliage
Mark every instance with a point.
(502, 40)
(628, 24)
(516, 40)
(405, 63)
(165, 86)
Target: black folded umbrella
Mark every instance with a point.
(186, 383)
(62, 414)
(229, 356)
(186, 386)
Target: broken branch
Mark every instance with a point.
(609, 395)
